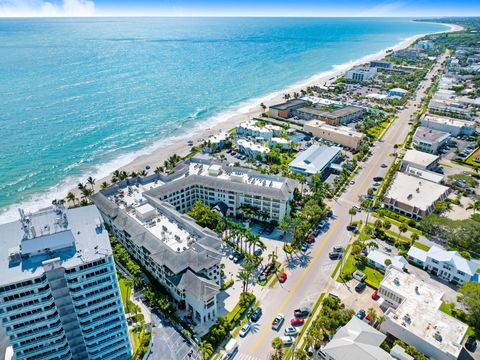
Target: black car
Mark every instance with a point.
(360, 286)
(256, 315)
(352, 227)
(377, 178)
(471, 344)
(335, 255)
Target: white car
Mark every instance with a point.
(287, 340)
(291, 331)
(244, 330)
(278, 321)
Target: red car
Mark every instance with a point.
(283, 278)
(375, 295)
(297, 321)
(311, 239)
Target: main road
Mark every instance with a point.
(309, 274)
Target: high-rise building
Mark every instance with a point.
(59, 295)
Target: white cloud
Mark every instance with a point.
(41, 8)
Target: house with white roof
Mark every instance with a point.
(284, 144)
(447, 265)
(420, 160)
(316, 159)
(252, 149)
(356, 340)
(252, 128)
(413, 316)
(377, 259)
(412, 196)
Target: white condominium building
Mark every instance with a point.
(59, 295)
(252, 149)
(251, 128)
(414, 316)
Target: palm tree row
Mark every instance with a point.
(243, 238)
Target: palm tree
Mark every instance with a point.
(387, 224)
(71, 197)
(352, 213)
(272, 257)
(475, 206)
(80, 186)
(104, 185)
(401, 229)
(91, 181)
(414, 237)
(277, 345)
(143, 173)
(158, 170)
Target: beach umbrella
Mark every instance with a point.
(147, 167)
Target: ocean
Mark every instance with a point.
(81, 97)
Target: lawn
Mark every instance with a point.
(377, 130)
(348, 268)
(470, 160)
(374, 277)
(421, 246)
(125, 290)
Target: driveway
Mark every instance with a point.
(449, 290)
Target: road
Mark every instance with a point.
(309, 275)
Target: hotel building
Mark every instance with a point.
(59, 295)
(342, 135)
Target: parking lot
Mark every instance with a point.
(355, 300)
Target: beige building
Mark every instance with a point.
(342, 135)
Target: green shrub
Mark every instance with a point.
(227, 284)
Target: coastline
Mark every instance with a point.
(155, 154)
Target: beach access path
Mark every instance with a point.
(309, 275)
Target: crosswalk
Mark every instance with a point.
(243, 356)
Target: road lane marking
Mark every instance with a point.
(374, 166)
(290, 294)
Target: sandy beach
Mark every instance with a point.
(180, 147)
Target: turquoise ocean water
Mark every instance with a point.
(82, 97)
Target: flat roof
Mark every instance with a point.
(448, 121)
(415, 192)
(288, 104)
(253, 126)
(315, 158)
(419, 158)
(424, 174)
(342, 130)
(331, 114)
(75, 236)
(430, 135)
(253, 146)
(419, 312)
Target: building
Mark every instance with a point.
(356, 340)
(361, 73)
(455, 127)
(449, 107)
(419, 160)
(413, 197)
(425, 45)
(342, 135)
(476, 156)
(215, 142)
(414, 317)
(182, 256)
(252, 149)
(236, 187)
(429, 140)
(447, 265)
(339, 115)
(409, 54)
(59, 295)
(397, 92)
(315, 160)
(425, 174)
(251, 128)
(377, 259)
(381, 64)
(284, 110)
(284, 144)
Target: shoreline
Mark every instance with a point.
(156, 153)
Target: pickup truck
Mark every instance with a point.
(301, 312)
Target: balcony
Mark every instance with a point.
(50, 329)
(39, 341)
(96, 313)
(93, 297)
(105, 281)
(30, 307)
(37, 324)
(44, 349)
(27, 318)
(24, 288)
(28, 297)
(88, 328)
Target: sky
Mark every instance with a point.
(314, 8)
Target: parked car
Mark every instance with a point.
(278, 321)
(330, 213)
(310, 239)
(304, 247)
(384, 166)
(317, 232)
(377, 178)
(297, 321)
(352, 227)
(358, 208)
(258, 252)
(256, 315)
(238, 257)
(387, 249)
(301, 312)
(361, 314)
(287, 340)
(335, 255)
(360, 286)
(358, 275)
(471, 344)
(375, 295)
(290, 331)
(245, 329)
(283, 278)
(338, 249)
